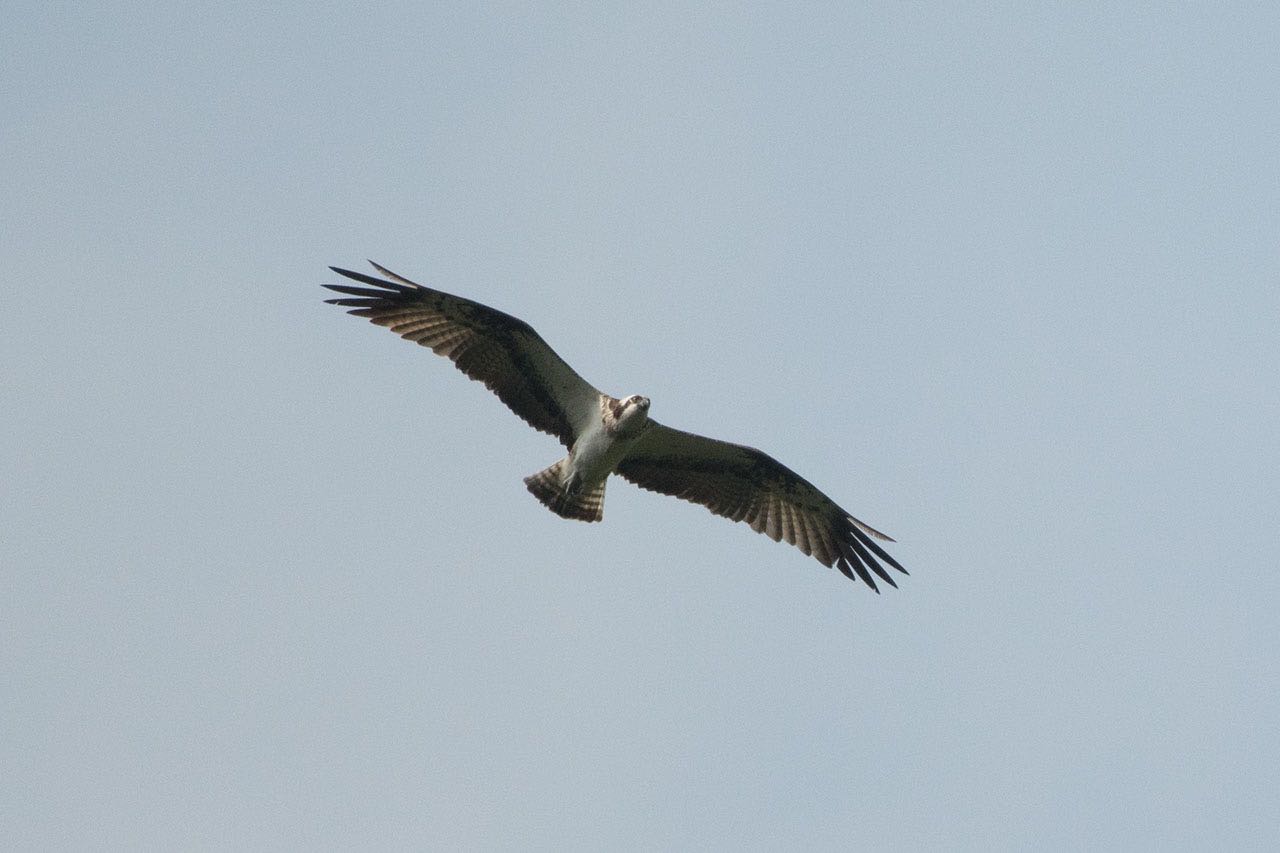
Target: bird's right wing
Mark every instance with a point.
(503, 352)
(745, 484)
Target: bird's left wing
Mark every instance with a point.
(503, 352)
(745, 484)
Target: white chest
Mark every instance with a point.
(595, 454)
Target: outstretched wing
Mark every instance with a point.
(744, 484)
(504, 353)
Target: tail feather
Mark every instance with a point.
(548, 486)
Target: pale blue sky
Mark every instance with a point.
(1002, 279)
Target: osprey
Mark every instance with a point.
(606, 435)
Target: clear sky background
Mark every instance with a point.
(1002, 279)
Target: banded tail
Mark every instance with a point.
(580, 504)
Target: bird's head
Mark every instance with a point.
(631, 413)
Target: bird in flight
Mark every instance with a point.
(606, 435)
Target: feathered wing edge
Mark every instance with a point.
(744, 484)
(502, 351)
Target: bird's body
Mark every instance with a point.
(599, 449)
(605, 435)
(574, 486)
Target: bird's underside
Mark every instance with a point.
(606, 435)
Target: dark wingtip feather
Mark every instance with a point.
(851, 559)
(346, 272)
(882, 554)
(366, 304)
(376, 282)
(868, 529)
(869, 561)
(389, 274)
(358, 291)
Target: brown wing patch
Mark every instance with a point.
(501, 351)
(744, 484)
